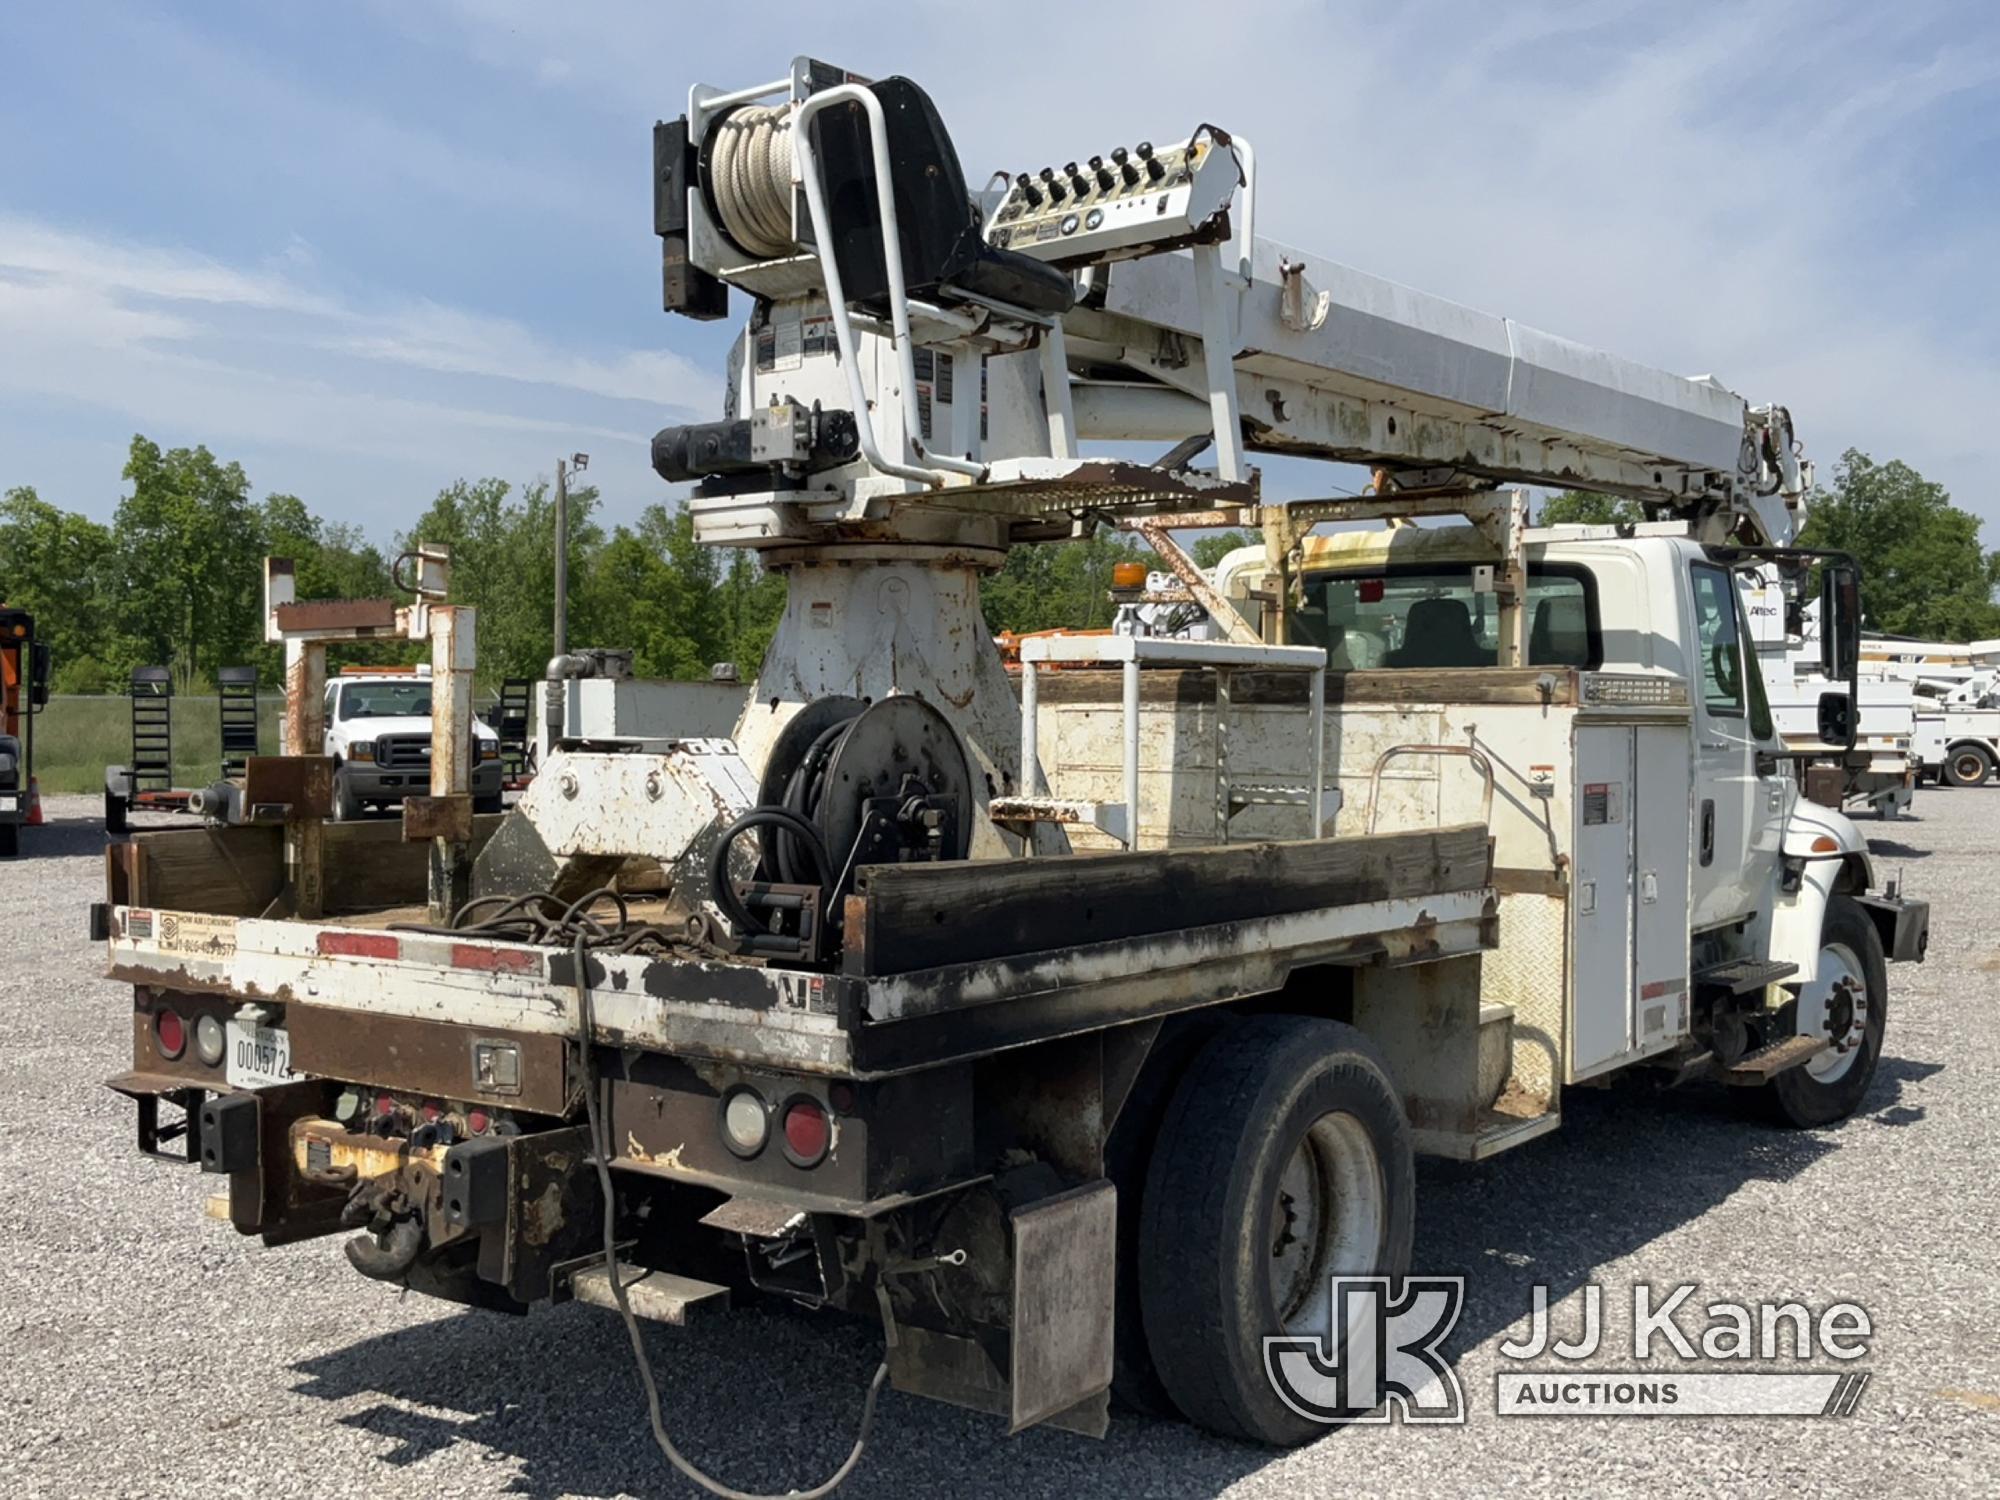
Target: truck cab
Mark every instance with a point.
(378, 731)
(1700, 882)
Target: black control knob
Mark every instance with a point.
(1030, 194)
(1057, 192)
(1154, 170)
(1144, 150)
(1079, 183)
(1118, 155)
(1106, 178)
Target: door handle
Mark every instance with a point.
(1715, 744)
(1708, 831)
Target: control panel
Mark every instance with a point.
(1117, 206)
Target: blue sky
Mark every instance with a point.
(368, 248)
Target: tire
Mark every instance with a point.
(1831, 1086)
(489, 804)
(1967, 765)
(346, 806)
(1273, 1106)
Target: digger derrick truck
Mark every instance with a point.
(1082, 1027)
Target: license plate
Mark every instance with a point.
(259, 1055)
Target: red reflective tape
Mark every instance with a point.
(493, 960)
(360, 945)
(1661, 987)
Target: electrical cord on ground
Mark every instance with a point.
(600, 1147)
(543, 918)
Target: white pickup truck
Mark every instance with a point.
(378, 730)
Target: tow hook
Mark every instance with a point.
(389, 1246)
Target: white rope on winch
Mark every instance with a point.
(750, 172)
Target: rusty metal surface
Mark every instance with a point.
(433, 1058)
(448, 818)
(302, 783)
(360, 615)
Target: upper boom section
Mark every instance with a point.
(1121, 296)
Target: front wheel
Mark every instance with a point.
(346, 805)
(1847, 1002)
(1284, 1161)
(1968, 765)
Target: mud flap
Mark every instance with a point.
(1055, 1365)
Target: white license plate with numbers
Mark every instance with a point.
(258, 1055)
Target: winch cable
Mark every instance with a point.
(526, 919)
(600, 1145)
(750, 175)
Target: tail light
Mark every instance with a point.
(746, 1122)
(209, 1037)
(169, 1033)
(808, 1131)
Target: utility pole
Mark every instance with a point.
(576, 463)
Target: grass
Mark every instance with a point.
(77, 737)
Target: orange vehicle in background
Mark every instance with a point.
(24, 690)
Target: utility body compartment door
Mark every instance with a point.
(1629, 899)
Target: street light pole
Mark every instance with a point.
(576, 462)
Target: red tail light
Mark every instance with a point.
(169, 1032)
(808, 1132)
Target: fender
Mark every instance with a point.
(1829, 854)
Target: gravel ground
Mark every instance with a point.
(147, 1350)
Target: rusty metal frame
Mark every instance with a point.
(305, 629)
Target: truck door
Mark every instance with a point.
(1735, 825)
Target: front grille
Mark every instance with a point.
(403, 752)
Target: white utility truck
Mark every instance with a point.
(378, 731)
(1955, 738)
(1081, 1027)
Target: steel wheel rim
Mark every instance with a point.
(1969, 766)
(1328, 1214)
(1835, 1006)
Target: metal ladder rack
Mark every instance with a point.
(1129, 653)
(236, 699)
(152, 693)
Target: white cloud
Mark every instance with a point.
(173, 341)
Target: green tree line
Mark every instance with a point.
(176, 577)
(1924, 572)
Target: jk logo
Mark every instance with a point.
(1380, 1347)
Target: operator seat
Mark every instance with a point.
(1560, 636)
(942, 231)
(1438, 633)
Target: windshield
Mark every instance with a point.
(385, 700)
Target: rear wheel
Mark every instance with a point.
(1968, 765)
(1847, 1002)
(1284, 1160)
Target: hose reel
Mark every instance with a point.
(847, 784)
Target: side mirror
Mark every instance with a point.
(1836, 720)
(38, 675)
(1839, 621)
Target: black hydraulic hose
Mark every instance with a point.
(723, 889)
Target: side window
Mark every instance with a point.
(1716, 641)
